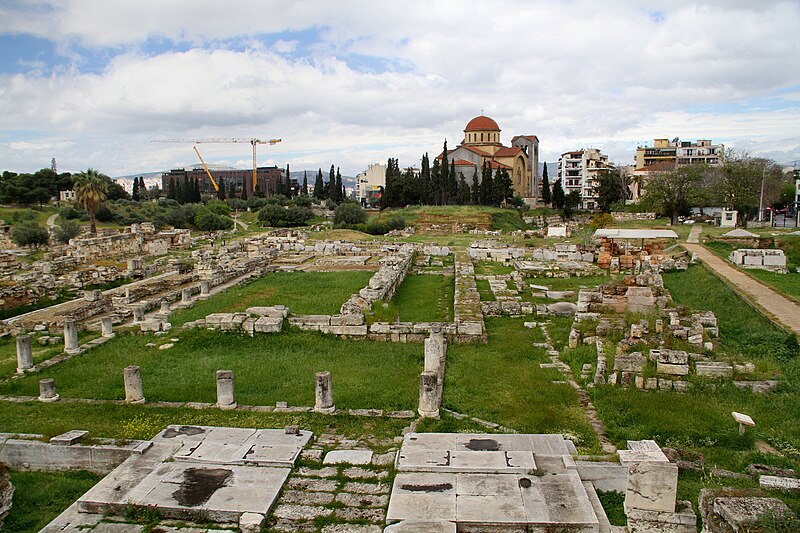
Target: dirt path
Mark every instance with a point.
(777, 306)
(51, 220)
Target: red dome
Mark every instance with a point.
(482, 123)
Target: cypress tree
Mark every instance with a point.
(558, 195)
(135, 191)
(424, 182)
(546, 196)
(436, 172)
(221, 191)
(487, 185)
(305, 182)
(452, 186)
(330, 193)
(442, 188)
(171, 188)
(476, 188)
(339, 195)
(463, 190)
(319, 186)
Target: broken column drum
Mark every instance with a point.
(204, 288)
(47, 390)
(24, 354)
(324, 393)
(107, 326)
(186, 295)
(225, 396)
(138, 314)
(428, 383)
(165, 307)
(70, 337)
(434, 352)
(134, 392)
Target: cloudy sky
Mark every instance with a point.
(92, 82)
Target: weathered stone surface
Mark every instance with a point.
(780, 483)
(362, 500)
(713, 369)
(353, 457)
(6, 492)
(562, 309)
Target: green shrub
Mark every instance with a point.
(69, 229)
(602, 220)
(298, 216)
(218, 207)
(272, 214)
(396, 222)
(207, 221)
(349, 213)
(30, 234)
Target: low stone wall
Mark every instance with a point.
(627, 217)
(761, 259)
(562, 252)
(24, 453)
(467, 303)
(494, 251)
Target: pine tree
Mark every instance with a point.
(558, 195)
(135, 191)
(546, 196)
(305, 182)
(319, 186)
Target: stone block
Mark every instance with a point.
(651, 486)
(268, 325)
(348, 330)
(713, 369)
(347, 320)
(629, 363)
(353, 457)
(275, 311)
(470, 328)
(779, 483)
(674, 357)
(672, 369)
(69, 438)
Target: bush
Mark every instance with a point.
(69, 229)
(298, 216)
(218, 207)
(104, 214)
(349, 213)
(272, 214)
(376, 227)
(277, 199)
(30, 234)
(254, 202)
(22, 216)
(396, 222)
(602, 220)
(181, 216)
(207, 221)
(237, 204)
(302, 201)
(69, 213)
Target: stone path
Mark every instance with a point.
(583, 396)
(51, 220)
(774, 304)
(337, 498)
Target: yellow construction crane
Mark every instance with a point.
(252, 141)
(214, 183)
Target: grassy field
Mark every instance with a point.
(502, 382)
(8, 351)
(267, 369)
(420, 298)
(41, 496)
(11, 215)
(303, 292)
(700, 420)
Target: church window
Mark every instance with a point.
(481, 136)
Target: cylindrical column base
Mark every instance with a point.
(71, 345)
(47, 390)
(225, 393)
(107, 327)
(428, 406)
(324, 393)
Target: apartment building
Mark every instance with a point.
(579, 171)
(679, 152)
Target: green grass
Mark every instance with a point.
(267, 369)
(701, 419)
(41, 496)
(118, 421)
(503, 383)
(8, 352)
(485, 290)
(492, 268)
(420, 298)
(304, 293)
(570, 284)
(11, 215)
(613, 504)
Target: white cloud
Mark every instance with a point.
(574, 73)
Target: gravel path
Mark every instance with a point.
(777, 306)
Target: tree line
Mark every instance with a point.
(441, 184)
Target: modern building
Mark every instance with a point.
(268, 179)
(370, 184)
(579, 170)
(66, 196)
(482, 144)
(679, 152)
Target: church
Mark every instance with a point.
(482, 144)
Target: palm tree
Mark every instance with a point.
(90, 191)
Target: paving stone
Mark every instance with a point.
(356, 472)
(366, 488)
(328, 471)
(314, 484)
(351, 528)
(302, 497)
(353, 457)
(384, 458)
(351, 513)
(300, 512)
(312, 455)
(290, 525)
(362, 500)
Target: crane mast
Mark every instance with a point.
(254, 142)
